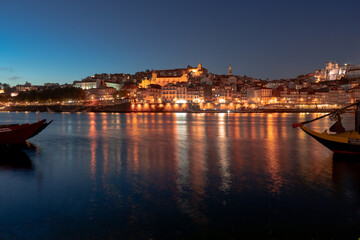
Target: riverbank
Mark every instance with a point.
(127, 108)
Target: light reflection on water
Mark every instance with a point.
(178, 175)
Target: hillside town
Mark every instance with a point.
(332, 87)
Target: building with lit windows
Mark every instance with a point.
(168, 92)
(333, 71)
(193, 95)
(353, 71)
(338, 95)
(96, 83)
(164, 77)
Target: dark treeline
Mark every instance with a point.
(58, 94)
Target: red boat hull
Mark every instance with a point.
(17, 134)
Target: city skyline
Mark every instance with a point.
(63, 42)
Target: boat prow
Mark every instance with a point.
(13, 134)
(347, 142)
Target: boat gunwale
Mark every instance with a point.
(335, 144)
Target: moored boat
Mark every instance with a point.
(340, 141)
(347, 142)
(13, 134)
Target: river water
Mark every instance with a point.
(177, 176)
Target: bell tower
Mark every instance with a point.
(230, 71)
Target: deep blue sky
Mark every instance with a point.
(62, 41)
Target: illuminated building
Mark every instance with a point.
(290, 95)
(304, 95)
(150, 94)
(319, 75)
(197, 72)
(26, 87)
(164, 77)
(228, 92)
(262, 92)
(96, 83)
(334, 72)
(321, 95)
(217, 93)
(100, 93)
(337, 95)
(175, 92)
(168, 92)
(193, 95)
(181, 92)
(131, 89)
(353, 71)
(141, 94)
(207, 93)
(144, 83)
(355, 93)
(85, 84)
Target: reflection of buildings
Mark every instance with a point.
(93, 144)
(191, 167)
(223, 152)
(273, 164)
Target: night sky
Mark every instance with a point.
(62, 41)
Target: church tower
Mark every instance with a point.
(230, 71)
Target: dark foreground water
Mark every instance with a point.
(177, 176)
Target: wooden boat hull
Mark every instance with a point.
(18, 134)
(344, 143)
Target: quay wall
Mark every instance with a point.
(141, 107)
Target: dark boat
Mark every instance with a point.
(341, 141)
(13, 134)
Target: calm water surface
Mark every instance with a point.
(177, 176)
